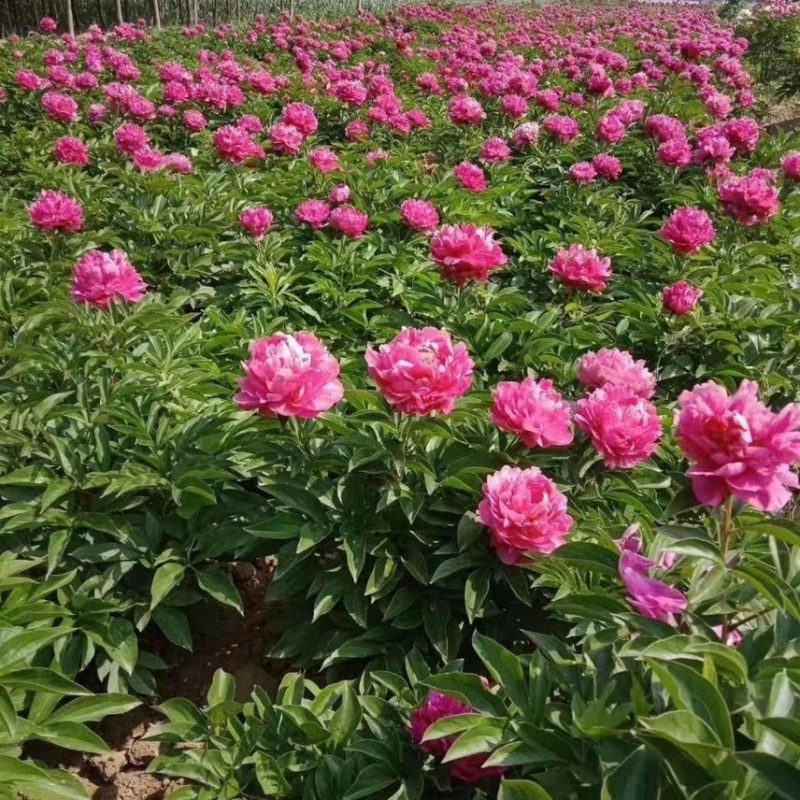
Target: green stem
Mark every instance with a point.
(726, 529)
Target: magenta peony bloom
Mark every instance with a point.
(357, 130)
(101, 279)
(72, 151)
(607, 166)
(675, 153)
(624, 427)
(290, 375)
(582, 269)
(421, 371)
(60, 107)
(250, 123)
(438, 706)
(129, 138)
(514, 106)
(688, 230)
(286, 139)
(313, 212)
(466, 253)
(470, 176)
(610, 366)
(743, 133)
(535, 411)
(420, 215)
(54, 211)
(194, 121)
(583, 172)
(256, 221)
(301, 116)
(525, 513)
(651, 598)
(750, 200)
(681, 298)
(48, 25)
(791, 166)
(525, 136)
(339, 194)
(349, 221)
(324, 160)
(466, 110)
(563, 128)
(737, 446)
(495, 150)
(98, 114)
(611, 129)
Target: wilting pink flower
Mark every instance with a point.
(339, 194)
(101, 279)
(563, 128)
(681, 298)
(290, 375)
(689, 230)
(495, 150)
(301, 116)
(60, 107)
(72, 151)
(580, 268)
(616, 368)
(651, 598)
(583, 172)
(313, 212)
(130, 138)
(750, 200)
(286, 139)
(738, 446)
(732, 638)
(525, 136)
(466, 110)
(349, 221)
(256, 221)
(419, 215)
(54, 211)
(470, 176)
(607, 166)
(535, 411)
(525, 513)
(438, 706)
(194, 121)
(675, 153)
(324, 160)
(624, 427)
(791, 166)
(421, 371)
(466, 253)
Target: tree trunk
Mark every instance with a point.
(70, 19)
(156, 15)
(119, 12)
(100, 16)
(195, 13)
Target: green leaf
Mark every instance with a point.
(498, 346)
(347, 718)
(504, 667)
(23, 645)
(480, 739)
(370, 781)
(298, 498)
(691, 691)
(451, 726)
(41, 679)
(786, 728)
(218, 584)
(71, 735)
(771, 586)
(12, 770)
(468, 689)
(57, 785)
(174, 625)
(269, 776)
(522, 790)
(633, 779)
(586, 555)
(8, 715)
(476, 590)
(782, 778)
(223, 688)
(94, 709)
(178, 709)
(165, 579)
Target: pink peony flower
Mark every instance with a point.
(250, 123)
(324, 160)
(732, 639)
(351, 93)
(438, 706)
(466, 110)
(236, 145)
(375, 156)
(54, 211)
(286, 139)
(582, 269)
(470, 176)
(349, 221)
(421, 371)
(563, 128)
(681, 298)
(737, 446)
(607, 166)
(514, 106)
(688, 230)
(616, 368)
(60, 107)
(194, 121)
(791, 166)
(525, 513)
(313, 212)
(466, 253)
(675, 153)
(535, 411)
(72, 151)
(611, 129)
(743, 133)
(301, 116)
(651, 598)
(101, 279)
(129, 138)
(98, 114)
(495, 150)
(48, 25)
(290, 375)
(256, 221)
(525, 136)
(583, 172)
(147, 159)
(750, 200)
(624, 427)
(419, 215)
(357, 131)
(339, 194)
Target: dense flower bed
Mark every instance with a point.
(484, 322)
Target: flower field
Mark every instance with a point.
(479, 325)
